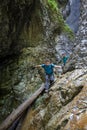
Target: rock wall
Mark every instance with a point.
(26, 23)
(79, 56)
(53, 111)
(12, 22)
(27, 36)
(71, 14)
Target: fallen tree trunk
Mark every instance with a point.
(18, 112)
(18, 127)
(15, 124)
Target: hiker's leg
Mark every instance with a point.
(47, 82)
(51, 78)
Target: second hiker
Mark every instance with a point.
(64, 58)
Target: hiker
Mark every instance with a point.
(64, 59)
(49, 73)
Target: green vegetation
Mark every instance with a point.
(57, 16)
(68, 31)
(53, 4)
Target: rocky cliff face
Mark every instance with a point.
(26, 23)
(53, 112)
(38, 32)
(12, 22)
(79, 56)
(27, 36)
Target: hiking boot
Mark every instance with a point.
(52, 82)
(46, 91)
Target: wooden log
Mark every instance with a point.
(15, 124)
(18, 112)
(18, 127)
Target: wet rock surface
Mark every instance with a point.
(30, 37)
(18, 79)
(55, 110)
(28, 40)
(73, 19)
(70, 91)
(79, 56)
(76, 49)
(12, 23)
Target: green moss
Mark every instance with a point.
(53, 4)
(54, 10)
(68, 31)
(57, 16)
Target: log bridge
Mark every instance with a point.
(17, 113)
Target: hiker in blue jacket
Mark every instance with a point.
(49, 73)
(64, 59)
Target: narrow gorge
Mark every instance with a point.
(31, 31)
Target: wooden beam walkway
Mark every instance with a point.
(20, 110)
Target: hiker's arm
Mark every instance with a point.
(37, 66)
(56, 66)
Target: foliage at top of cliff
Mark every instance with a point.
(63, 27)
(53, 4)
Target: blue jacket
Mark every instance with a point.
(65, 58)
(48, 68)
